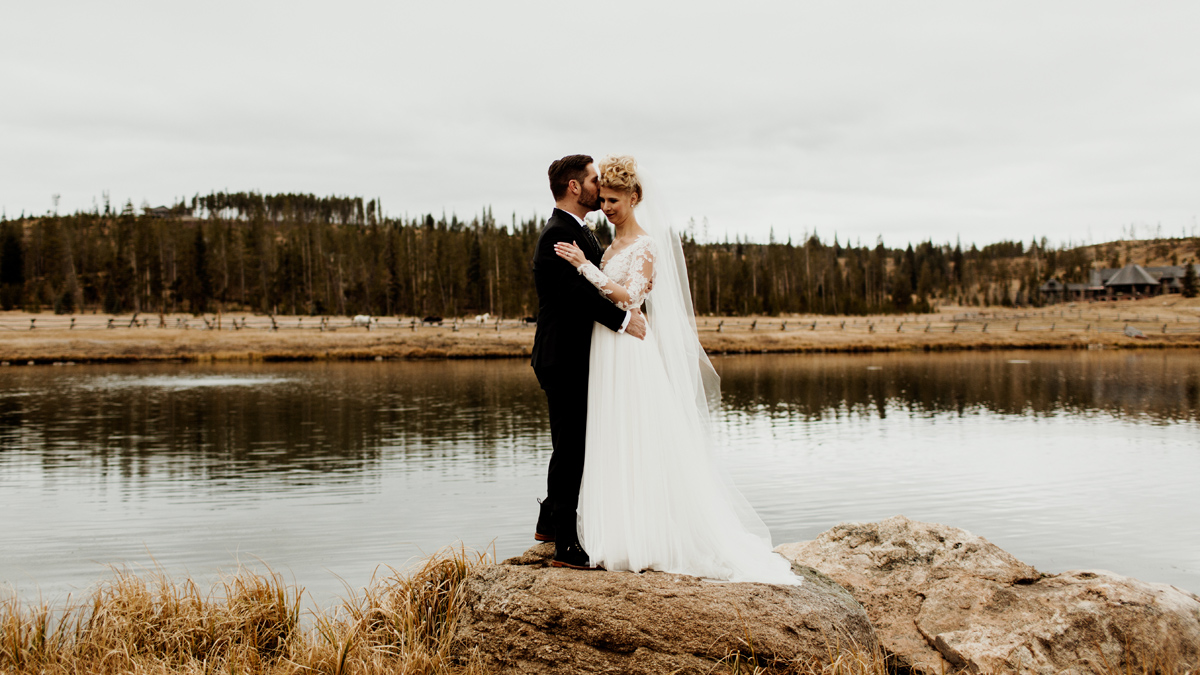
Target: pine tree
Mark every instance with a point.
(201, 290)
(12, 265)
(1191, 285)
(901, 289)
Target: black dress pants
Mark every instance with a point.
(566, 394)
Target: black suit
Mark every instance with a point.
(568, 306)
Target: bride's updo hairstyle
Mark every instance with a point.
(619, 172)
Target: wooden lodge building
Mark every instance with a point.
(1130, 281)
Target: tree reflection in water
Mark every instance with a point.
(320, 467)
(229, 421)
(1154, 386)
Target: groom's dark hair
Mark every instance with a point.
(563, 171)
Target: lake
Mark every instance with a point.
(328, 471)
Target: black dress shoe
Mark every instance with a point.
(545, 524)
(572, 556)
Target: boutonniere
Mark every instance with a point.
(592, 223)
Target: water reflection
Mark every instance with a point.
(1152, 386)
(220, 422)
(1067, 459)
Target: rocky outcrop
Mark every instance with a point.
(523, 616)
(935, 592)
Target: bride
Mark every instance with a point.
(652, 496)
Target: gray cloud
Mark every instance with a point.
(911, 121)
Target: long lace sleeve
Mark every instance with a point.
(634, 266)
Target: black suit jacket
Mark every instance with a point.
(568, 304)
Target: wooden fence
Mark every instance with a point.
(982, 322)
(977, 322)
(247, 322)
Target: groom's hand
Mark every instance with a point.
(637, 324)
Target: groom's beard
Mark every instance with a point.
(591, 203)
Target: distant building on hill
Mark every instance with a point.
(1110, 283)
(1171, 276)
(1056, 291)
(1134, 280)
(166, 212)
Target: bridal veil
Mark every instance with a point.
(670, 313)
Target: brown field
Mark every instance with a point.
(46, 338)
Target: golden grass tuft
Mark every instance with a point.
(248, 623)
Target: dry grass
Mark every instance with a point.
(1147, 252)
(249, 623)
(1167, 322)
(52, 341)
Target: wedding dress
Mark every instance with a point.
(652, 496)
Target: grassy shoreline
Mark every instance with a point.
(44, 339)
(248, 623)
(402, 623)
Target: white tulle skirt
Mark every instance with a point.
(652, 497)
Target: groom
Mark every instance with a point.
(568, 306)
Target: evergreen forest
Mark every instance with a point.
(291, 254)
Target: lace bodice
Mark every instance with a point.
(631, 270)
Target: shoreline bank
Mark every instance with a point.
(47, 339)
(895, 595)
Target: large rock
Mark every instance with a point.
(523, 616)
(935, 592)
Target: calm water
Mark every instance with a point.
(1079, 459)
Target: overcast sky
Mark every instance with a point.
(910, 120)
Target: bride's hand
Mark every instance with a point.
(570, 252)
